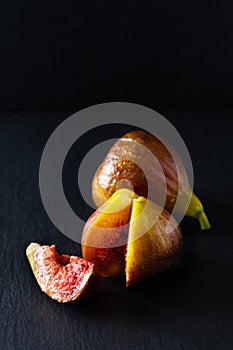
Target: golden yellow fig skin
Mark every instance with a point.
(116, 167)
(159, 247)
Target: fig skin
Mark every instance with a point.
(158, 248)
(116, 167)
(105, 234)
(63, 278)
(152, 243)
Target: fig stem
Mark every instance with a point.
(196, 210)
(203, 220)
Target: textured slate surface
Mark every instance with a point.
(189, 307)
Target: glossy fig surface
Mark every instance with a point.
(129, 160)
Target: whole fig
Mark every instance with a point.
(121, 166)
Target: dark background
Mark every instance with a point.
(59, 57)
(70, 54)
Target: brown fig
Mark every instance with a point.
(122, 168)
(143, 238)
(62, 277)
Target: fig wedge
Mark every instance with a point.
(105, 234)
(121, 163)
(62, 277)
(149, 241)
(153, 245)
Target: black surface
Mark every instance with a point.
(67, 54)
(189, 307)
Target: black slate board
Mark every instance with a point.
(189, 307)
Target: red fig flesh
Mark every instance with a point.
(62, 277)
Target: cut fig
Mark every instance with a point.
(154, 241)
(149, 241)
(62, 277)
(122, 164)
(105, 234)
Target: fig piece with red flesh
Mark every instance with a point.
(62, 277)
(122, 164)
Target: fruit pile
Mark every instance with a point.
(128, 233)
